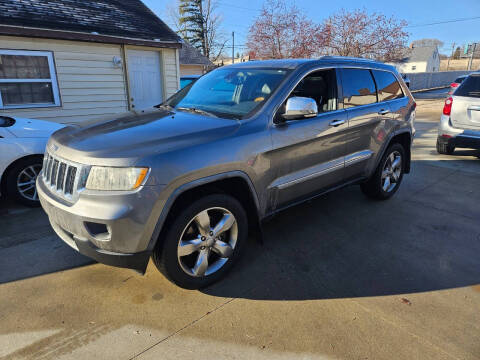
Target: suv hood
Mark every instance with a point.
(32, 128)
(136, 134)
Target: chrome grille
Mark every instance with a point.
(61, 176)
(70, 180)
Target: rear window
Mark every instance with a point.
(387, 85)
(358, 87)
(470, 87)
(459, 80)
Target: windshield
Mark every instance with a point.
(185, 82)
(232, 93)
(470, 87)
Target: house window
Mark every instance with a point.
(414, 67)
(27, 79)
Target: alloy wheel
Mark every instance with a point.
(26, 182)
(207, 242)
(392, 171)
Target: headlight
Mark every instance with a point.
(116, 178)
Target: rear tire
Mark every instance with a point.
(180, 264)
(391, 166)
(444, 148)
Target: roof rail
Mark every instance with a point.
(346, 58)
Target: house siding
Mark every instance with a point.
(191, 70)
(89, 84)
(170, 69)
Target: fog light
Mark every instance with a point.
(98, 231)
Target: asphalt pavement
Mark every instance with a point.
(341, 277)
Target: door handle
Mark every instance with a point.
(383, 112)
(337, 123)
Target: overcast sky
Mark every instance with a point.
(239, 15)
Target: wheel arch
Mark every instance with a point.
(403, 138)
(235, 183)
(3, 180)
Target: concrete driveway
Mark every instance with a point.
(341, 277)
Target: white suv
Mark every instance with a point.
(460, 122)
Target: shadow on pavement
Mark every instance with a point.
(29, 246)
(343, 245)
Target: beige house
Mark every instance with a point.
(192, 62)
(227, 60)
(69, 61)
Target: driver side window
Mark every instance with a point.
(320, 86)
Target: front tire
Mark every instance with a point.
(203, 242)
(389, 174)
(21, 181)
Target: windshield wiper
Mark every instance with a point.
(198, 111)
(164, 106)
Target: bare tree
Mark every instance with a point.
(198, 22)
(283, 32)
(360, 34)
(173, 16)
(427, 42)
(456, 54)
(214, 38)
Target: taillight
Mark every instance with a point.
(454, 84)
(447, 109)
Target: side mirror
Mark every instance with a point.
(300, 107)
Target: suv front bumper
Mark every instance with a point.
(114, 229)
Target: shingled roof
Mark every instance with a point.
(418, 54)
(189, 55)
(120, 19)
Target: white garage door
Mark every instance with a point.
(145, 78)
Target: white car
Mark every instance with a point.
(22, 144)
(460, 123)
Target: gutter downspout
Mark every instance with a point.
(126, 77)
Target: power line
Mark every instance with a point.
(445, 22)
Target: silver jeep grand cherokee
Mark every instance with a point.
(185, 182)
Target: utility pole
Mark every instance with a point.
(453, 50)
(474, 45)
(233, 47)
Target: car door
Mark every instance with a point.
(308, 154)
(367, 121)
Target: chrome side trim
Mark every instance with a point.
(357, 157)
(308, 174)
(319, 170)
